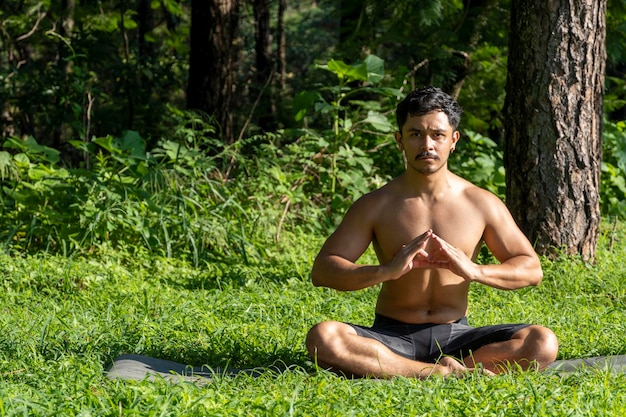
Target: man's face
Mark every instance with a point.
(427, 141)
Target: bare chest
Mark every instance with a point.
(460, 224)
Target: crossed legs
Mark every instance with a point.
(533, 346)
(335, 345)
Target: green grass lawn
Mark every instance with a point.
(64, 320)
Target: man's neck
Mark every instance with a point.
(432, 185)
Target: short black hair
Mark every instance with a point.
(426, 99)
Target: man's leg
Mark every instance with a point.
(336, 346)
(532, 346)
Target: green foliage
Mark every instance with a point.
(35, 193)
(179, 198)
(616, 32)
(345, 101)
(483, 92)
(191, 196)
(89, 68)
(613, 174)
(479, 159)
(355, 149)
(171, 200)
(615, 97)
(83, 69)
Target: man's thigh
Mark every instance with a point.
(410, 341)
(463, 340)
(428, 343)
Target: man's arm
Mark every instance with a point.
(335, 265)
(520, 265)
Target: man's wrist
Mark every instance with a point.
(387, 273)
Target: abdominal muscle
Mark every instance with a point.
(424, 296)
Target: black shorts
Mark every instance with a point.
(428, 342)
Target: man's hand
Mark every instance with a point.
(430, 251)
(443, 255)
(409, 256)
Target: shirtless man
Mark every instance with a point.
(426, 227)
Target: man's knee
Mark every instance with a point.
(314, 338)
(543, 341)
(324, 337)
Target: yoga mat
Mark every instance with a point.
(140, 367)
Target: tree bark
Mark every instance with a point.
(553, 121)
(212, 61)
(264, 65)
(281, 45)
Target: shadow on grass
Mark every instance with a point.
(240, 355)
(141, 366)
(232, 276)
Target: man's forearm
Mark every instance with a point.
(513, 274)
(340, 274)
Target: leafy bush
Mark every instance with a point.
(479, 160)
(613, 175)
(189, 196)
(356, 120)
(171, 200)
(36, 193)
(194, 197)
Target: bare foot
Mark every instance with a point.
(452, 367)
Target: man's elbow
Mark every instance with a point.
(315, 280)
(536, 277)
(317, 276)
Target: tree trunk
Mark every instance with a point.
(145, 24)
(264, 65)
(212, 61)
(281, 46)
(553, 120)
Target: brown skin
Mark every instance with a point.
(426, 227)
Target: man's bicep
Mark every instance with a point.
(503, 236)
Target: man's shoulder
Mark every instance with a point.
(473, 191)
(486, 202)
(372, 198)
(374, 201)
(382, 194)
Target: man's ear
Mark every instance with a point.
(398, 137)
(455, 138)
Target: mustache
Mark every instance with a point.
(427, 154)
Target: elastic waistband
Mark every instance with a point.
(380, 319)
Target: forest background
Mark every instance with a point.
(101, 142)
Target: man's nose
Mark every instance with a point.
(428, 142)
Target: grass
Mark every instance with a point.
(64, 320)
